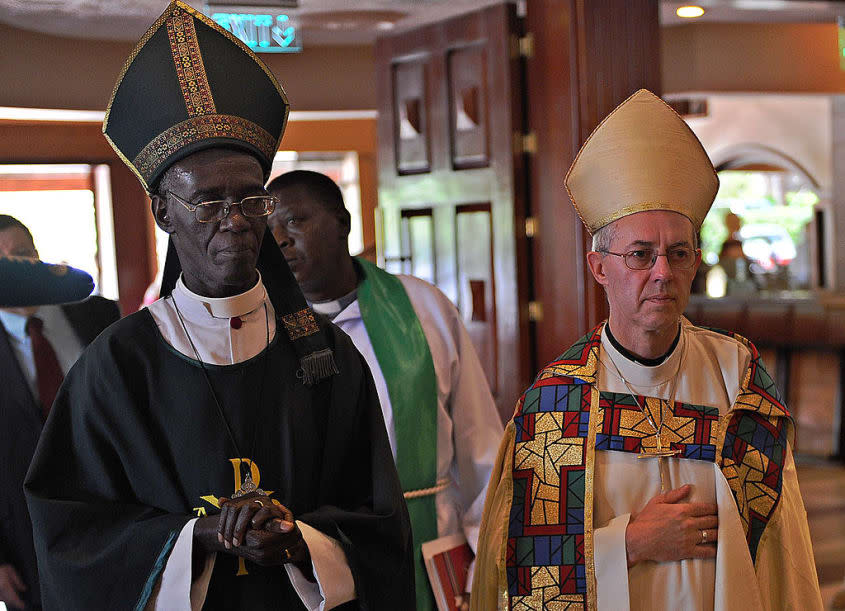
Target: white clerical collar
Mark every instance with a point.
(638, 374)
(198, 307)
(335, 306)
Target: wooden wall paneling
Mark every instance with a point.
(814, 388)
(589, 55)
(457, 50)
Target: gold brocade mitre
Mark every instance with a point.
(643, 156)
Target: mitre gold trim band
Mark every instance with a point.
(201, 128)
(190, 69)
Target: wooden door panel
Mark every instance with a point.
(471, 86)
(467, 68)
(410, 117)
(474, 250)
(418, 243)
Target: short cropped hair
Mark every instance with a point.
(9, 222)
(603, 237)
(320, 187)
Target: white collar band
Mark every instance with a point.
(197, 306)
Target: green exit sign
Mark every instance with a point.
(261, 32)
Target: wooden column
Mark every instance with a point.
(836, 221)
(588, 56)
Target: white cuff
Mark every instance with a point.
(334, 585)
(611, 560)
(176, 588)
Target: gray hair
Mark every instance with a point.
(603, 237)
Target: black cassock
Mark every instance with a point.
(134, 442)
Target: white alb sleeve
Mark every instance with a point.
(334, 585)
(176, 589)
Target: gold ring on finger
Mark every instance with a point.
(259, 501)
(703, 536)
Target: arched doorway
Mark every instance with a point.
(760, 235)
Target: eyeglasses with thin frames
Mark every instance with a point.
(680, 258)
(216, 210)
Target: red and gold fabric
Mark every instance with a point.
(536, 545)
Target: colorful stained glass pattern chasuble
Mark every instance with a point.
(549, 561)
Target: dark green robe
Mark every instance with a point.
(134, 443)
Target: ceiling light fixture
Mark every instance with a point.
(689, 12)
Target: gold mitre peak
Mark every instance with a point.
(643, 156)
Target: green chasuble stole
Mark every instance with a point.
(405, 361)
(563, 418)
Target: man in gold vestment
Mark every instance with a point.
(649, 466)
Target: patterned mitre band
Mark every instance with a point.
(176, 95)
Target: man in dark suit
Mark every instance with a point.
(38, 345)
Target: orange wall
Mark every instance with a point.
(777, 57)
(41, 71)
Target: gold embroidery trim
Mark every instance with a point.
(190, 69)
(203, 127)
(589, 469)
(299, 324)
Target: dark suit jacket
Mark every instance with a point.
(20, 426)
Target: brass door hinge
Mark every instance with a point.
(530, 226)
(535, 311)
(524, 143)
(526, 46)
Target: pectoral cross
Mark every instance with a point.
(661, 452)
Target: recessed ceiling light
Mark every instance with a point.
(689, 12)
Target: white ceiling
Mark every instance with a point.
(323, 21)
(354, 21)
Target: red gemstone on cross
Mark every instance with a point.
(235, 322)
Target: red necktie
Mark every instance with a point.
(48, 373)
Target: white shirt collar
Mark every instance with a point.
(15, 324)
(205, 309)
(642, 375)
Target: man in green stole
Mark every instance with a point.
(441, 420)
(650, 465)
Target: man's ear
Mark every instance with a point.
(344, 219)
(158, 205)
(595, 260)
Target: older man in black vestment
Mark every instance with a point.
(196, 457)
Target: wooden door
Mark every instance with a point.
(589, 55)
(451, 184)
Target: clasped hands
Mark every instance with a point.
(667, 529)
(257, 529)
